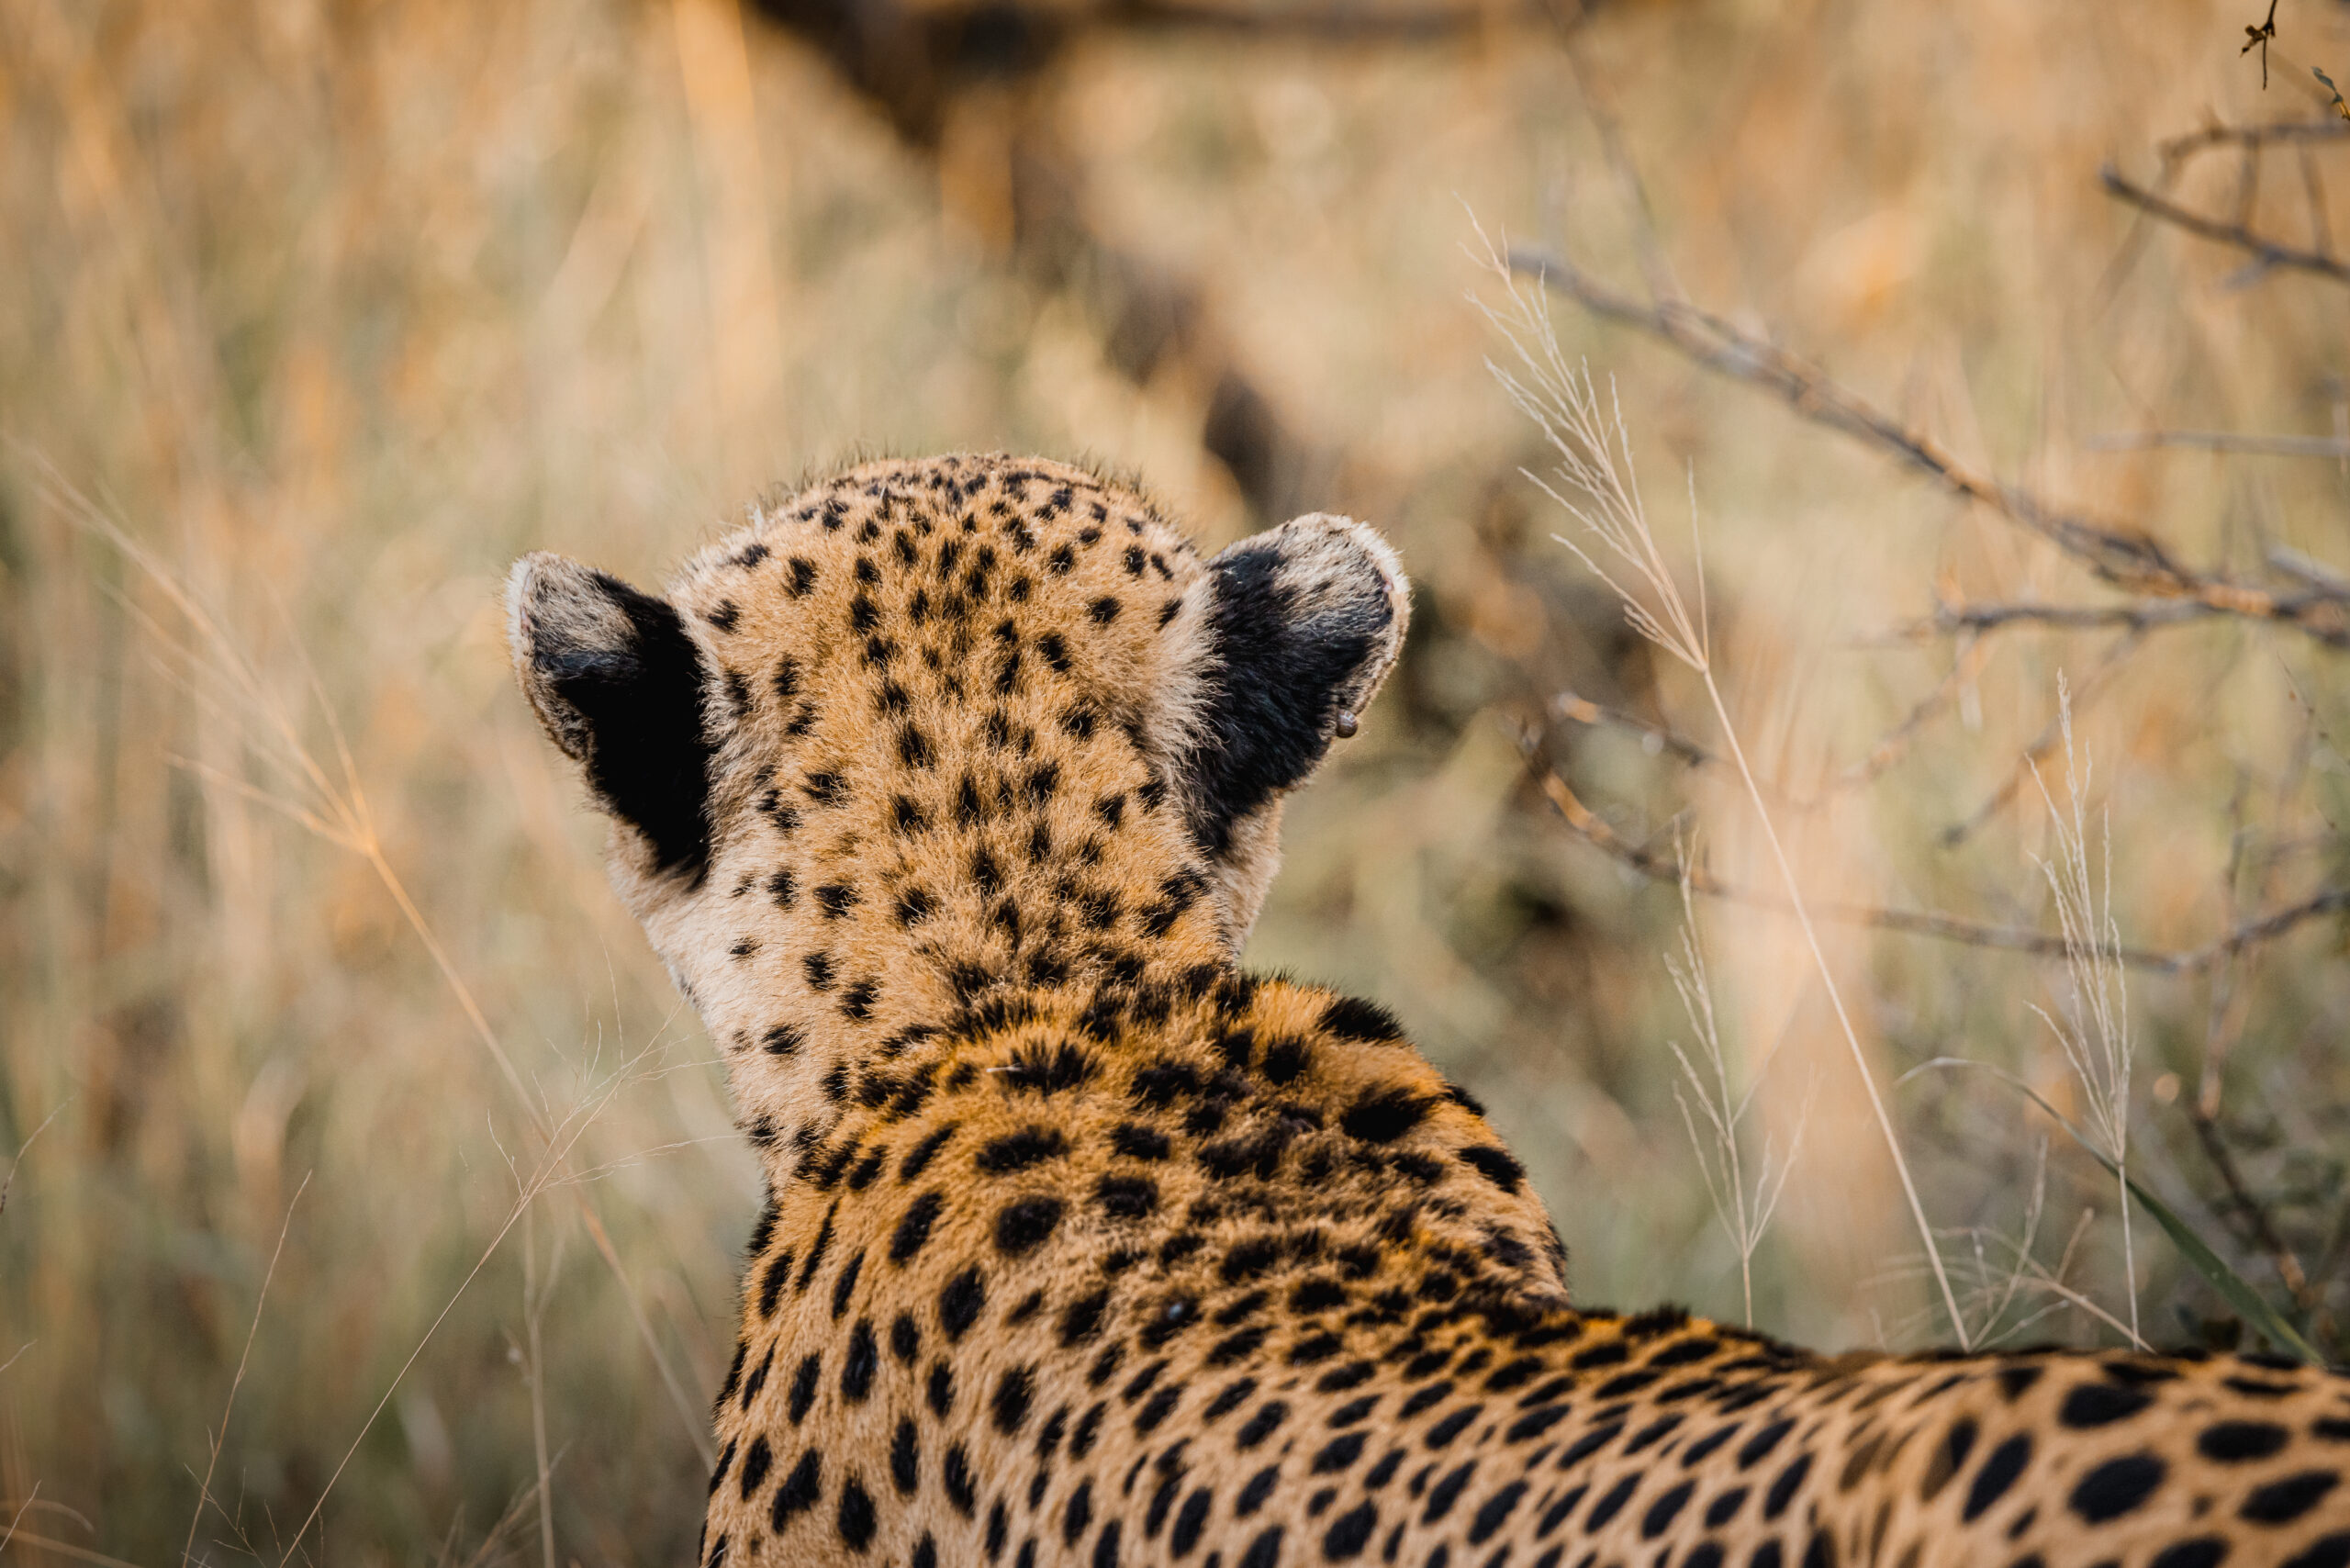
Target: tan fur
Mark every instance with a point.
(1085, 1247)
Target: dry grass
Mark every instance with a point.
(331, 313)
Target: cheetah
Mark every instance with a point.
(949, 790)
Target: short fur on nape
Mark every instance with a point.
(948, 789)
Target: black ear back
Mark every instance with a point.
(1303, 621)
(619, 686)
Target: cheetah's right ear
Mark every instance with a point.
(619, 686)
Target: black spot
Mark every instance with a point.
(1025, 1226)
(1019, 1150)
(771, 1282)
(2328, 1551)
(1446, 1491)
(919, 1157)
(1104, 610)
(1353, 1018)
(798, 1492)
(1350, 1533)
(2234, 1442)
(856, 1515)
(2101, 1405)
(2203, 1551)
(1758, 1447)
(960, 1302)
(1949, 1458)
(1265, 1550)
(1056, 652)
(1260, 1425)
(1783, 1491)
(1046, 1071)
(2281, 1502)
(1260, 1488)
(1384, 1116)
(1189, 1519)
(1014, 1392)
(803, 1386)
(962, 1488)
(1126, 1197)
(756, 1463)
(1498, 1507)
(858, 1366)
(1998, 1472)
(2118, 1486)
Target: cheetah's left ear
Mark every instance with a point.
(1303, 624)
(621, 688)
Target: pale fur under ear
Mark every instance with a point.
(1292, 631)
(619, 685)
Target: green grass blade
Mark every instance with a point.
(2249, 1303)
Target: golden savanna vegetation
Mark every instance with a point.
(1985, 372)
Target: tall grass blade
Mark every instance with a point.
(2238, 1291)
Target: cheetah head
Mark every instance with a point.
(930, 729)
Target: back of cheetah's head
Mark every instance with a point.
(930, 729)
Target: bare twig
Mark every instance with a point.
(2217, 134)
(2267, 255)
(1655, 739)
(2058, 729)
(1594, 830)
(2259, 38)
(2244, 1213)
(2124, 558)
(2136, 615)
(2223, 441)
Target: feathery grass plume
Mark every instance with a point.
(1743, 1208)
(1591, 453)
(2092, 1021)
(330, 802)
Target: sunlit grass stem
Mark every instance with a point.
(1593, 452)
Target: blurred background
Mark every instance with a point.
(316, 316)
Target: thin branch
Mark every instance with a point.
(1655, 739)
(2257, 1228)
(1594, 830)
(2180, 148)
(2266, 253)
(2120, 556)
(2136, 615)
(2058, 728)
(2223, 441)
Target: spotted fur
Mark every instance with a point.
(949, 790)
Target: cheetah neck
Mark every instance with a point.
(853, 947)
